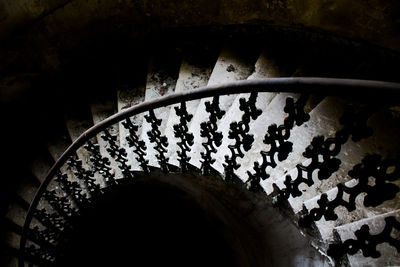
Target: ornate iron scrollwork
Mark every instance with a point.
(354, 124)
(208, 129)
(118, 153)
(101, 164)
(61, 204)
(138, 145)
(46, 237)
(86, 176)
(181, 131)
(72, 189)
(277, 137)
(367, 242)
(41, 254)
(161, 142)
(50, 220)
(372, 176)
(239, 132)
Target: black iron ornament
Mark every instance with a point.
(277, 137)
(50, 220)
(60, 204)
(100, 165)
(373, 177)
(239, 131)
(43, 256)
(72, 189)
(86, 176)
(138, 145)
(181, 131)
(118, 153)
(161, 142)
(367, 242)
(45, 238)
(322, 153)
(208, 130)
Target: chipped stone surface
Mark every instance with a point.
(161, 81)
(324, 121)
(265, 67)
(344, 216)
(273, 114)
(223, 72)
(380, 142)
(191, 76)
(351, 154)
(127, 98)
(389, 255)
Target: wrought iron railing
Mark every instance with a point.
(38, 240)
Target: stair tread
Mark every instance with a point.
(191, 76)
(77, 122)
(230, 66)
(101, 111)
(266, 66)
(273, 114)
(344, 216)
(161, 81)
(351, 154)
(389, 254)
(127, 98)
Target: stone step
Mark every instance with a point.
(127, 98)
(101, 110)
(57, 144)
(325, 227)
(233, 64)
(162, 76)
(267, 66)
(324, 121)
(39, 163)
(273, 114)
(195, 71)
(389, 255)
(77, 121)
(28, 186)
(384, 131)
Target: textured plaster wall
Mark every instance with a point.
(375, 21)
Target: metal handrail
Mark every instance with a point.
(375, 90)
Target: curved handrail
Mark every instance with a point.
(378, 90)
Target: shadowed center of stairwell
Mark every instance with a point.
(147, 225)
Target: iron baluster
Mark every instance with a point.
(354, 124)
(72, 189)
(86, 176)
(181, 131)
(138, 145)
(61, 204)
(208, 129)
(118, 153)
(101, 164)
(239, 131)
(161, 142)
(372, 179)
(277, 137)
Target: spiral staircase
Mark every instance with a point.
(313, 162)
